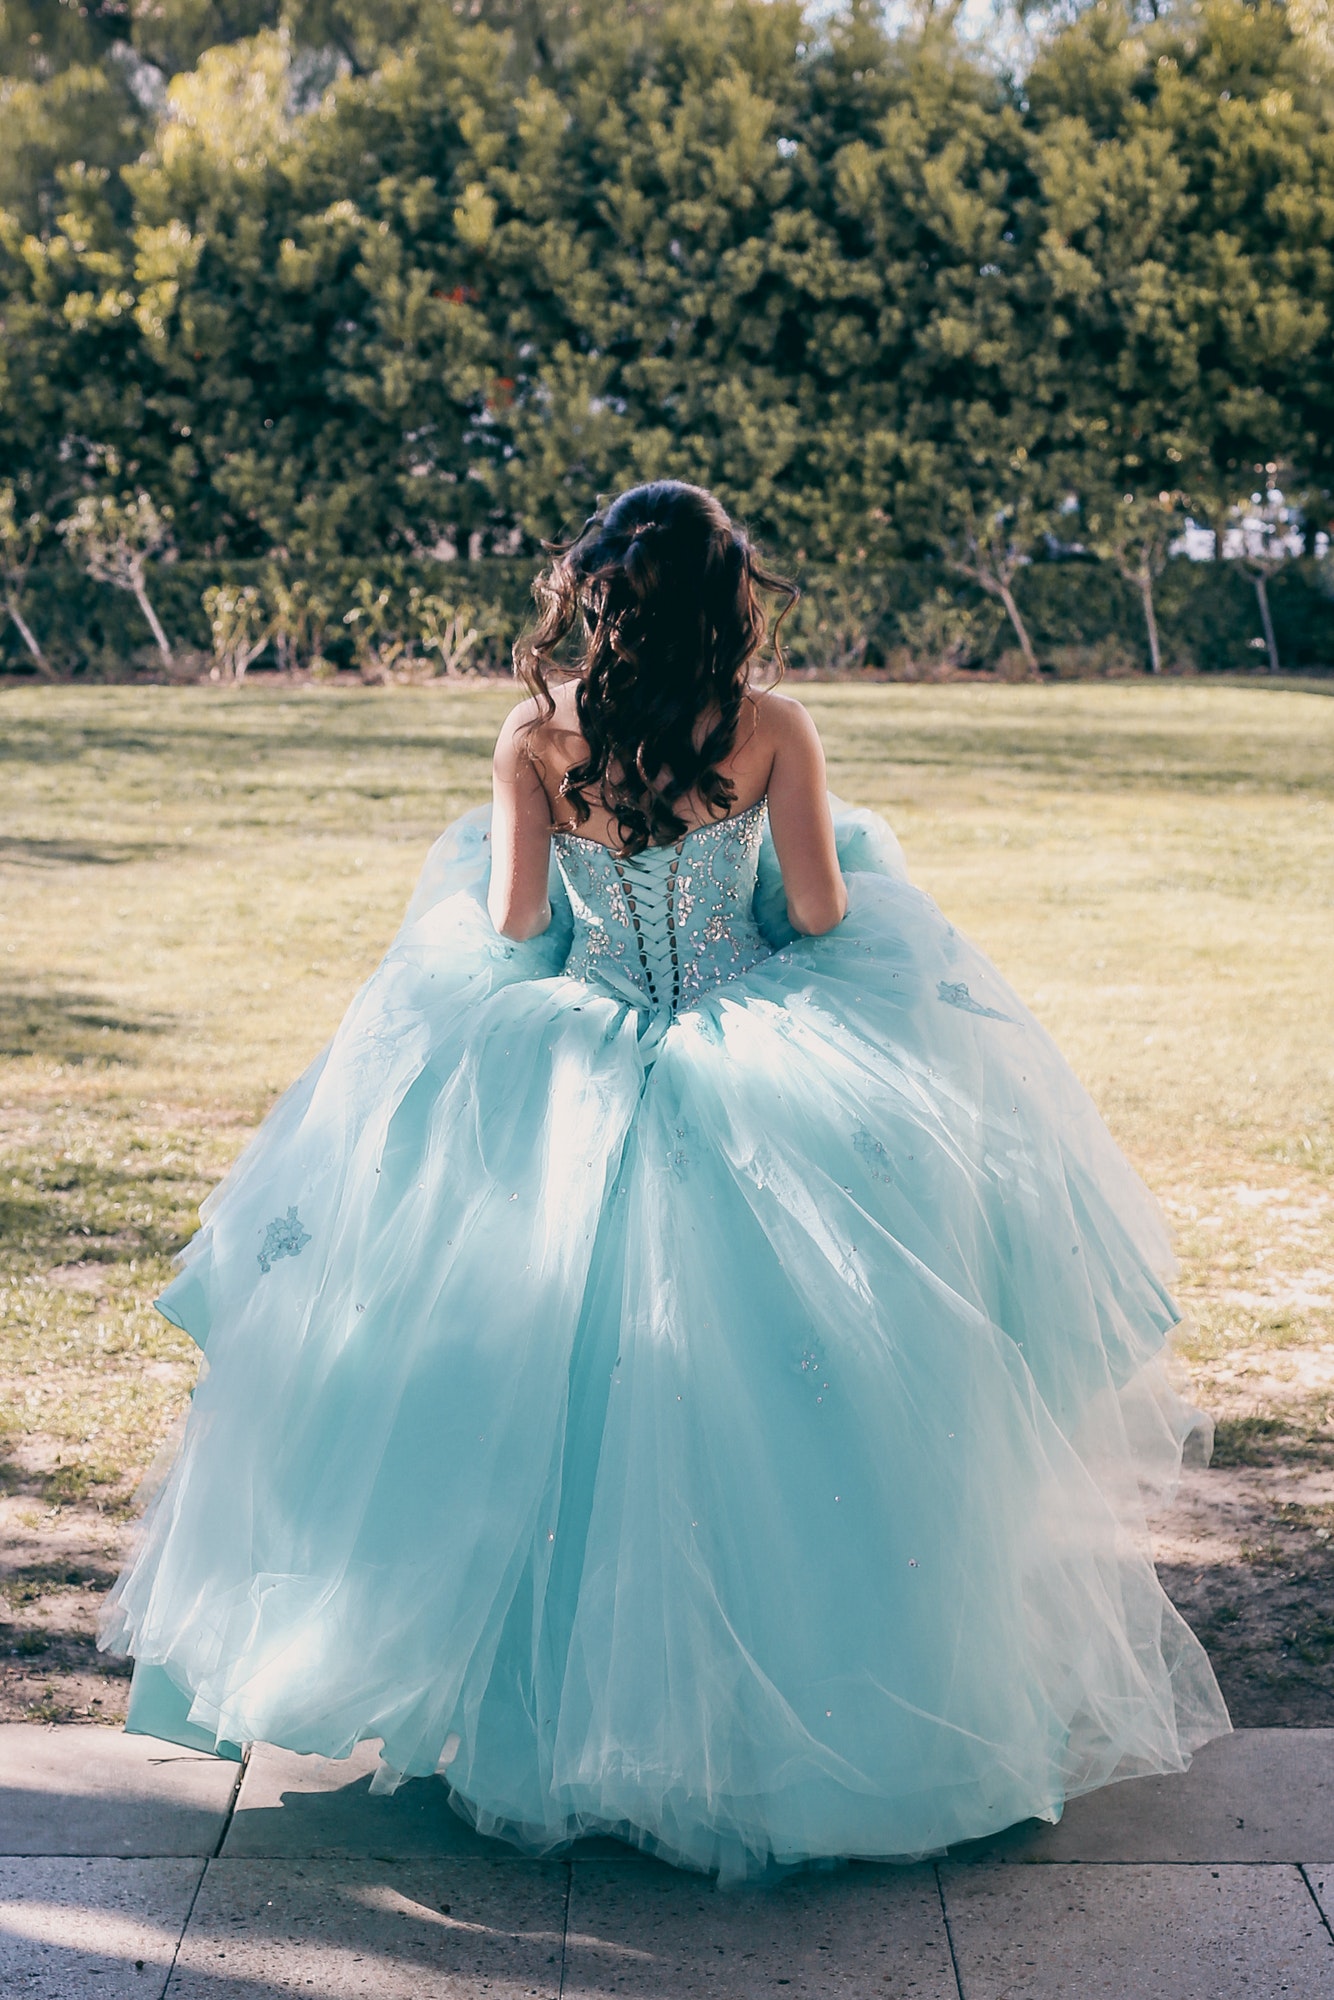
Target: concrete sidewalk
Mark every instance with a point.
(133, 1868)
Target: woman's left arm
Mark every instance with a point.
(520, 835)
(801, 822)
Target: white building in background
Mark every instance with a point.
(1196, 542)
(1267, 527)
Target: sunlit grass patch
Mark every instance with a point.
(193, 882)
(196, 880)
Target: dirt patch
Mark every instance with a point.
(56, 1565)
(1247, 1556)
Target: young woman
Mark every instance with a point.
(683, 1362)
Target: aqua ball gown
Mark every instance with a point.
(680, 1379)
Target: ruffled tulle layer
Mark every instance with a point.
(737, 1437)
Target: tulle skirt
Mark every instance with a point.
(735, 1437)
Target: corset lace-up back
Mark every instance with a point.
(661, 927)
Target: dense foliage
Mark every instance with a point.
(318, 296)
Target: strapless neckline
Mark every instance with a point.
(672, 846)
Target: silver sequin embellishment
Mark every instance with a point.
(672, 922)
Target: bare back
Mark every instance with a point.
(556, 746)
(777, 755)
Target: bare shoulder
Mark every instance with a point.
(512, 744)
(522, 716)
(782, 713)
(784, 721)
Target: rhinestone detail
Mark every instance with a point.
(671, 922)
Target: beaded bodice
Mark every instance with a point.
(664, 926)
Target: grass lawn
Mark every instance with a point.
(195, 880)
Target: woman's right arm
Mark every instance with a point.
(520, 835)
(801, 822)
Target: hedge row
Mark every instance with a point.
(911, 618)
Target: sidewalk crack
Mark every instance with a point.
(189, 1918)
(1319, 1906)
(565, 1928)
(209, 1859)
(949, 1931)
(230, 1813)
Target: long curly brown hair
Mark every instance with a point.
(670, 598)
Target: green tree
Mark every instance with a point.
(240, 630)
(962, 402)
(348, 284)
(313, 364)
(116, 537)
(629, 240)
(1186, 175)
(1136, 536)
(20, 536)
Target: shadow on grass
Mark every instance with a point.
(1264, 1441)
(1052, 753)
(273, 731)
(64, 1485)
(34, 853)
(30, 1582)
(84, 1212)
(80, 1218)
(263, 741)
(71, 1026)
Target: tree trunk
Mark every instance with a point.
(1144, 580)
(141, 599)
(1271, 643)
(1006, 596)
(995, 586)
(246, 655)
(25, 633)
